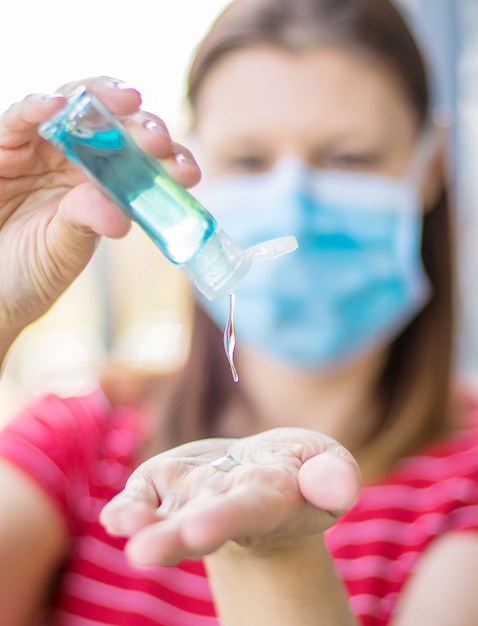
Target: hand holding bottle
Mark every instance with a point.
(51, 216)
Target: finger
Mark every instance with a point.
(89, 209)
(83, 215)
(182, 166)
(152, 135)
(117, 96)
(132, 509)
(205, 524)
(19, 123)
(148, 130)
(330, 481)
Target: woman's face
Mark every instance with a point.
(324, 107)
(349, 286)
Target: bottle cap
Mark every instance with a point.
(219, 266)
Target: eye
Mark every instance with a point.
(353, 161)
(247, 164)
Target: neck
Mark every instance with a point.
(341, 403)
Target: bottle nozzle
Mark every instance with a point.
(272, 249)
(218, 267)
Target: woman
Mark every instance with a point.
(312, 119)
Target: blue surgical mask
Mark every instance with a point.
(356, 279)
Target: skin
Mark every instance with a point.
(49, 209)
(267, 559)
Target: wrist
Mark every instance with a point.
(293, 580)
(280, 548)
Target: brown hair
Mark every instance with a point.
(373, 28)
(415, 385)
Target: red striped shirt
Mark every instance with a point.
(81, 453)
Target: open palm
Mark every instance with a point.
(288, 482)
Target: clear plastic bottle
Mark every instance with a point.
(187, 234)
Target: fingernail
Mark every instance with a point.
(184, 159)
(118, 84)
(340, 451)
(154, 125)
(45, 97)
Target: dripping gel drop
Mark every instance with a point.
(230, 337)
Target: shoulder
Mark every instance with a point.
(68, 421)
(442, 589)
(59, 413)
(71, 447)
(438, 486)
(453, 459)
(444, 474)
(413, 518)
(417, 515)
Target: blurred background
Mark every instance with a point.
(130, 304)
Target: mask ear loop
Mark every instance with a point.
(429, 145)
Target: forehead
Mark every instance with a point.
(250, 91)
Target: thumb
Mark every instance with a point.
(330, 480)
(83, 215)
(90, 210)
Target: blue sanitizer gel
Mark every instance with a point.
(187, 234)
